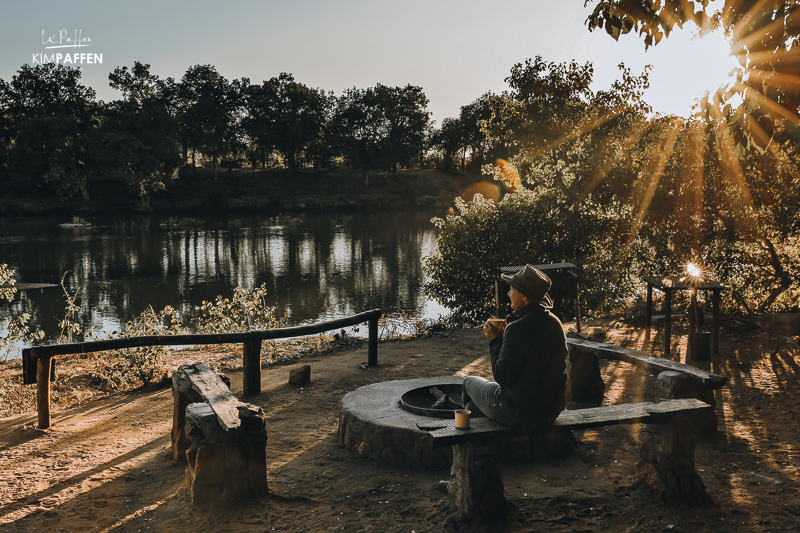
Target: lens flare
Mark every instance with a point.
(507, 175)
(694, 273)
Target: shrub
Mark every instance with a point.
(528, 227)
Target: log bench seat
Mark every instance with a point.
(673, 379)
(666, 452)
(222, 439)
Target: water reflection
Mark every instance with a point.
(314, 267)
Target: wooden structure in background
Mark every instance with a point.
(670, 284)
(564, 292)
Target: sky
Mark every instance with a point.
(456, 50)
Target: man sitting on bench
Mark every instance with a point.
(528, 358)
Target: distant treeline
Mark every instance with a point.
(54, 130)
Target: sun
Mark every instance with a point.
(713, 66)
(693, 66)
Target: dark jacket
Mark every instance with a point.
(529, 363)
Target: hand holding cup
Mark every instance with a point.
(494, 327)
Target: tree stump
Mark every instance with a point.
(300, 375)
(667, 460)
(585, 383)
(671, 385)
(223, 440)
(476, 481)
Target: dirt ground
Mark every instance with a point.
(106, 465)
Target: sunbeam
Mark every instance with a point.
(662, 156)
(603, 171)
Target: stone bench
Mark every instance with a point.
(223, 440)
(666, 451)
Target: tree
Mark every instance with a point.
(209, 112)
(465, 135)
(51, 114)
(449, 140)
(763, 34)
(472, 118)
(286, 116)
(572, 150)
(6, 131)
(405, 108)
(139, 136)
(137, 84)
(381, 127)
(746, 218)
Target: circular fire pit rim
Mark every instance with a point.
(381, 402)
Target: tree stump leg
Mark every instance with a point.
(671, 384)
(585, 380)
(476, 481)
(667, 460)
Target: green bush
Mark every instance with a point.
(528, 227)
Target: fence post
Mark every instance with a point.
(372, 350)
(251, 366)
(43, 391)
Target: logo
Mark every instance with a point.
(64, 41)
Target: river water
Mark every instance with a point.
(315, 267)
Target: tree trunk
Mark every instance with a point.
(4, 176)
(784, 282)
(87, 202)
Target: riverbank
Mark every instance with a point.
(197, 191)
(107, 466)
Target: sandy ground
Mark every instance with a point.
(107, 466)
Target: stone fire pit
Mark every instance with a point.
(374, 424)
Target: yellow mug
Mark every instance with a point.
(462, 418)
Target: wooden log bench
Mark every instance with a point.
(666, 456)
(222, 439)
(673, 379)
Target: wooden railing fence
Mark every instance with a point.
(39, 361)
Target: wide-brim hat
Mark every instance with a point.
(531, 282)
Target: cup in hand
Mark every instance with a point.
(497, 323)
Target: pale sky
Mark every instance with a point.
(456, 50)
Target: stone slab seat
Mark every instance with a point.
(666, 452)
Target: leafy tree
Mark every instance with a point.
(465, 135)
(209, 112)
(286, 116)
(763, 35)
(405, 109)
(745, 217)
(139, 136)
(138, 84)
(6, 131)
(51, 114)
(473, 116)
(563, 138)
(449, 141)
(381, 127)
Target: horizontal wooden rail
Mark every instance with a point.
(251, 352)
